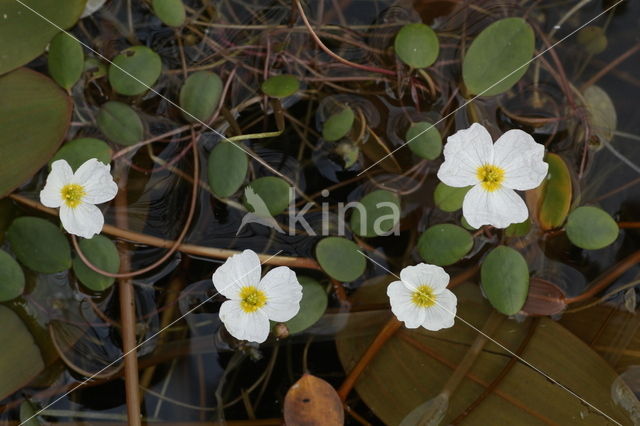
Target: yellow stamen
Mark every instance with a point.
(490, 176)
(423, 297)
(252, 299)
(72, 194)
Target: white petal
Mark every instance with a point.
(84, 220)
(464, 152)
(402, 306)
(521, 158)
(95, 177)
(442, 314)
(499, 208)
(424, 274)
(240, 270)
(59, 176)
(284, 293)
(253, 326)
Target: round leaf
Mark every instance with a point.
(338, 125)
(498, 57)
(34, 116)
(426, 141)
(505, 279)
(39, 244)
(444, 244)
(591, 228)
(556, 192)
(281, 86)
(11, 277)
(227, 168)
(66, 60)
(312, 306)
(200, 95)
(593, 39)
(77, 151)
(380, 215)
(134, 70)
(449, 198)
(101, 252)
(120, 123)
(171, 12)
(272, 191)
(417, 45)
(340, 258)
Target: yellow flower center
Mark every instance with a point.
(252, 299)
(423, 297)
(490, 176)
(72, 194)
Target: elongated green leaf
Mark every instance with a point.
(171, 12)
(281, 86)
(77, 151)
(505, 279)
(338, 125)
(101, 252)
(11, 277)
(380, 214)
(417, 45)
(591, 228)
(227, 169)
(340, 259)
(200, 95)
(555, 194)
(444, 244)
(135, 70)
(66, 60)
(120, 123)
(425, 140)
(39, 245)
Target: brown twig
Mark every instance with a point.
(611, 65)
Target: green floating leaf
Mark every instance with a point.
(34, 116)
(11, 277)
(39, 245)
(135, 70)
(66, 60)
(417, 45)
(593, 39)
(449, 198)
(591, 228)
(281, 86)
(171, 12)
(24, 35)
(312, 306)
(498, 57)
(381, 214)
(555, 194)
(338, 125)
(101, 252)
(200, 95)
(424, 143)
(602, 118)
(120, 123)
(518, 229)
(444, 244)
(77, 151)
(340, 258)
(505, 279)
(227, 166)
(273, 192)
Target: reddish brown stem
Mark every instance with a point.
(611, 65)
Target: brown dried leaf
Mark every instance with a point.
(311, 401)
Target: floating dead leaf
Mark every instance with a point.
(312, 401)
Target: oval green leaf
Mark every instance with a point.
(417, 45)
(498, 57)
(101, 252)
(593, 39)
(340, 258)
(444, 244)
(338, 125)
(34, 116)
(449, 198)
(120, 123)
(267, 196)
(591, 228)
(134, 70)
(39, 245)
(65, 60)
(518, 229)
(380, 214)
(171, 12)
(77, 151)
(312, 306)
(11, 277)
(24, 35)
(227, 168)
(555, 195)
(281, 86)
(200, 96)
(426, 141)
(505, 279)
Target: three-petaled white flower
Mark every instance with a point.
(254, 301)
(77, 194)
(421, 297)
(494, 170)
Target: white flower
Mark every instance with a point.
(494, 170)
(77, 193)
(422, 298)
(254, 301)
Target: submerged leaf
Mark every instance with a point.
(338, 125)
(120, 123)
(603, 119)
(424, 140)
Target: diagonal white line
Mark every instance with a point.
(146, 340)
(492, 86)
(518, 357)
(261, 161)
